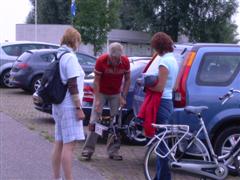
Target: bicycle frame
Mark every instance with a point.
(209, 164)
(220, 169)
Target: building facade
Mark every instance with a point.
(135, 43)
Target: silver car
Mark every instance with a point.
(9, 51)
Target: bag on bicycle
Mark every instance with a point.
(52, 90)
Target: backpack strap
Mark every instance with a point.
(58, 58)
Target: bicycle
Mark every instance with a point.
(187, 152)
(114, 126)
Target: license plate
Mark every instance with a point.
(99, 129)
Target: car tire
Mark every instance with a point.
(35, 83)
(126, 121)
(223, 144)
(4, 79)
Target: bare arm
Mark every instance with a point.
(162, 78)
(126, 84)
(73, 89)
(96, 85)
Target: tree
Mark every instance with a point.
(94, 19)
(50, 12)
(198, 19)
(210, 21)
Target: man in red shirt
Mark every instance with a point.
(110, 70)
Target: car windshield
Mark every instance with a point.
(85, 59)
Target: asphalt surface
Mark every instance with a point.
(25, 155)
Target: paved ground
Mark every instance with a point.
(26, 156)
(16, 104)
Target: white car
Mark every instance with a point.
(9, 51)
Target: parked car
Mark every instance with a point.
(9, 51)
(27, 71)
(208, 72)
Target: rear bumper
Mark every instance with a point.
(19, 80)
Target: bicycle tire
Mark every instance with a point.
(151, 156)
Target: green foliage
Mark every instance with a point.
(94, 20)
(210, 21)
(50, 12)
(200, 20)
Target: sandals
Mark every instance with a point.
(87, 155)
(116, 157)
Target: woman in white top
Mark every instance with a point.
(68, 115)
(166, 68)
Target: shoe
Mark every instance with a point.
(86, 155)
(116, 157)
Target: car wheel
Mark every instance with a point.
(225, 142)
(36, 82)
(138, 139)
(4, 79)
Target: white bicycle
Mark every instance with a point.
(187, 152)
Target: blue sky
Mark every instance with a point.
(14, 12)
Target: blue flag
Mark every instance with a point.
(73, 8)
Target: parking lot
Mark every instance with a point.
(18, 105)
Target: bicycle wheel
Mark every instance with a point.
(197, 150)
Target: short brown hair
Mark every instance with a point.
(70, 37)
(162, 42)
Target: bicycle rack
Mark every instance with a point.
(166, 129)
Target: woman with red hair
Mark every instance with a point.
(158, 105)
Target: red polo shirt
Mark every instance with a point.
(111, 78)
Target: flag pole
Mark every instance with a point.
(108, 32)
(35, 27)
(73, 10)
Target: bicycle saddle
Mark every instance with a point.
(195, 109)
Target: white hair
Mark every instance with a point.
(115, 49)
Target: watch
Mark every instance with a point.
(78, 108)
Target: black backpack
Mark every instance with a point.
(52, 90)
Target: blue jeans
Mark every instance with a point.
(164, 113)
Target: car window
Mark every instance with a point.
(24, 57)
(85, 60)
(50, 47)
(218, 69)
(18, 49)
(13, 50)
(45, 46)
(47, 57)
(26, 47)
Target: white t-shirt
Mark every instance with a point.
(70, 68)
(169, 61)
